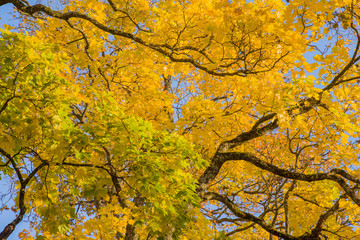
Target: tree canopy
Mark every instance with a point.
(198, 119)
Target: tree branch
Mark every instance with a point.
(250, 158)
(164, 49)
(246, 216)
(8, 230)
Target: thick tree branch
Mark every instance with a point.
(215, 165)
(250, 158)
(6, 103)
(164, 49)
(13, 163)
(8, 230)
(3, 2)
(323, 217)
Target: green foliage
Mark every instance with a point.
(85, 159)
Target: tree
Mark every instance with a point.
(182, 119)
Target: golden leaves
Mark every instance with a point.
(209, 71)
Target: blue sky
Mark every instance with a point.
(6, 12)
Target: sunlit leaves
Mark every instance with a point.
(132, 103)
